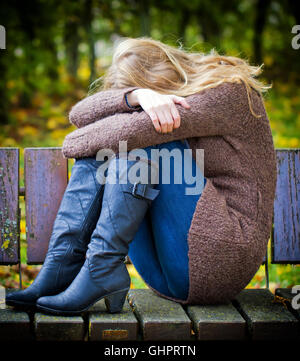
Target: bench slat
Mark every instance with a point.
(104, 326)
(217, 322)
(9, 206)
(160, 319)
(286, 234)
(14, 324)
(46, 174)
(266, 320)
(58, 328)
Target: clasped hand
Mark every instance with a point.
(160, 108)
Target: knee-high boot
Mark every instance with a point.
(75, 221)
(104, 273)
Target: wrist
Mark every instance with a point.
(132, 98)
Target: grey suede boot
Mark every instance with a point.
(75, 221)
(104, 273)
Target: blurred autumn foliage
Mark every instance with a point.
(55, 49)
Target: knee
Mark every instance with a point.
(179, 286)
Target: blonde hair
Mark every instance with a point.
(148, 63)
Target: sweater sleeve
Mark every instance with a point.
(100, 105)
(213, 112)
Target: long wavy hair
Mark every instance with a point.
(148, 63)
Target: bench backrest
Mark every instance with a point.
(46, 177)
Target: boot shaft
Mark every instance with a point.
(124, 206)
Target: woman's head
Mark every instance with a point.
(149, 63)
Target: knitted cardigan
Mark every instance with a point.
(231, 224)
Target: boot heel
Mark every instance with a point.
(115, 301)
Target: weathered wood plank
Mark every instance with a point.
(286, 234)
(266, 320)
(217, 322)
(9, 206)
(14, 324)
(58, 328)
(104, 326)
(45, 183)
(160, 319)
(286, 296)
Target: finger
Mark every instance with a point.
(182, 101)
(169, 118)
(163, 121)
(156, 125)
(175, 115)
(154, 119)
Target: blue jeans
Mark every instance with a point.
(159, 250)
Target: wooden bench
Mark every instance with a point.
(254, 314)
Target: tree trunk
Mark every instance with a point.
(210, 28)
(260, 22)
(185, 16)
(71, 40)
(295, 10)
(88, 19)
(144, 10)
(3, 92)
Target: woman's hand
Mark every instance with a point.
(160, 107)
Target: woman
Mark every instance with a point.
(193, 249)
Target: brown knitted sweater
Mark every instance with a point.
(232, 221)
